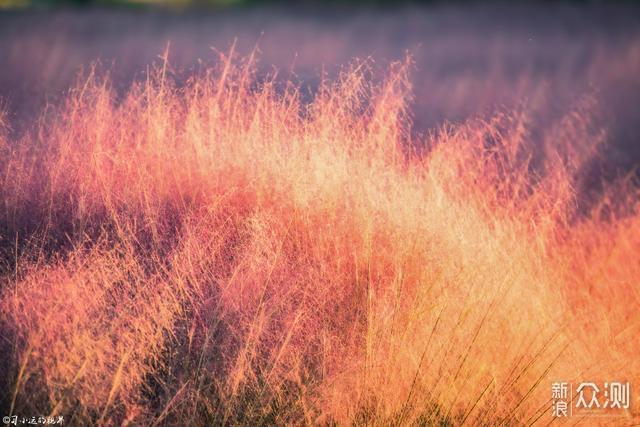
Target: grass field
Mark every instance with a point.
(226, 246)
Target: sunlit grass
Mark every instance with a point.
(222, 252)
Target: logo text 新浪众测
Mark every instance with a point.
(590, 398)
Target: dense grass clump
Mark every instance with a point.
(221, 252)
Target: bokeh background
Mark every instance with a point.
(470, 58)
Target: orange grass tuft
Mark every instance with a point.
(221, 252)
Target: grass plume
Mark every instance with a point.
(223, 252)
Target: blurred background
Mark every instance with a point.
(222, 3)
(471, 59)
